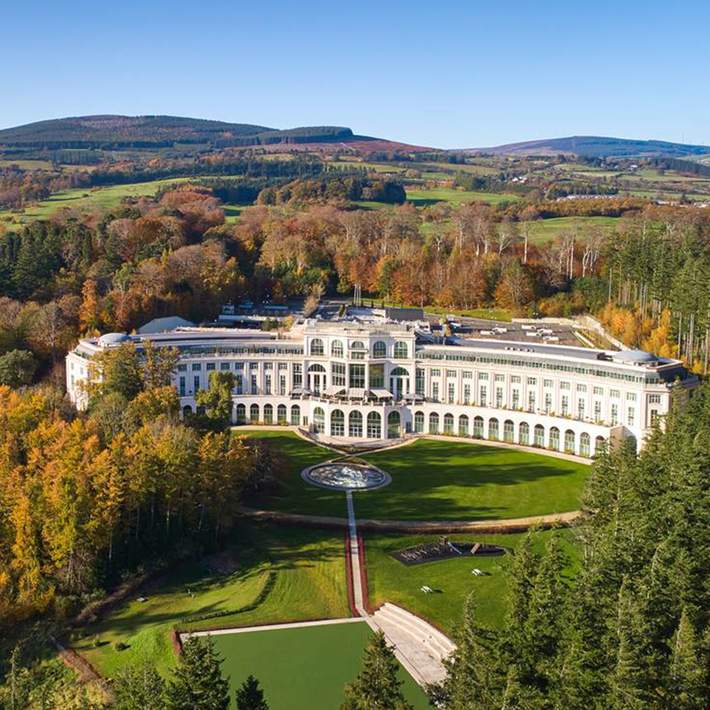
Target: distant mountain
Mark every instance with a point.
(597, 147)
(158, 132)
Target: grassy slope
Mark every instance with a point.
(390, 580)
(307, 567)
(544, 230)
(295, 666)
(435, 480)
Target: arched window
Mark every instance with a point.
(241, 414)
(337, 423)
(355, 425)
(399, 372)
(524, 434)
(448, 423)
(493, 432)
(401, 351)
(463, 425)
(374, 425)
(281, 414)
(295, 415)
(508, 431)
(478, 427)
(599, 445)
(419, 422)
(336, 348)
(357, 345)
(569, 441)
(316, 346)
(316, 368)
(393, 425)
(433, 423)
(585, 444)
(268, 414)
(554, 439)
(379, 349)
(539, 433)
(319, 420)
(187, 411)
(254, 413)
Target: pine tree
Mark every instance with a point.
(250, 696)
(139, 688)
(377, 686)
(473, 680)
(197, 682)
(688, 678)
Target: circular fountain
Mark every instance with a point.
(346, 476)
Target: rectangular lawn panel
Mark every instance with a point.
(303, 668)
(391, 581)
(278, 575)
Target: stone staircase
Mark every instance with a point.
(419, 646)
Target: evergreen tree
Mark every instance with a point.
(250, 696)
(197, 682)
(377, 686)
(473, 680)
(139, 688)
(688, 677)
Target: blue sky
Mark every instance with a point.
(448, 74)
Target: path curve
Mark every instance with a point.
(505, 525)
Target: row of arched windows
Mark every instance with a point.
(379, 348)
(553, 439)
(266, 415)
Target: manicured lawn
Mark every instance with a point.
(303, 668)
(434, 480)
(421, 198)
(390, 580)
(272, 575)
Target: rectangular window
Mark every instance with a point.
(630, 416)
(419, 382)
(631, 396)
(196, 382)
(548, 402)
(654, 399)
(451, 392)
(182, 386)
(339, 374)
(482, 375)
(516, 399)
(564, 385)
(614, 394)
(377, 375)
(597, 411)
(565, 405)
(436, 372)
(181, 368)
(254, 389)
(435, 391)
(268, 365)
(467, 394)
(267, 384)
(581, 388)
(282, 384)
(614, 414)
(467, 374)
(547, 383)
(580, 409)
(515, 379)
(499, 397)
(531, 401)
(500, 378)
(532, 380)
(196, 366)
(224, 366)
(239, 384)
(483, 396)
(599, 391)
(210, 366)
(654, 417)
(298, 375)
(357, 376)
(451, 373)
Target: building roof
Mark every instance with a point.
(161, 325)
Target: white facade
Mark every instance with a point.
(356, 382)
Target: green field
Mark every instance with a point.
(303, 668)
(544, 230)
(422, 198)
(435, 480)
(390, 580)
(277, 576)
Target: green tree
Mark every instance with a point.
(377, 686)
(688, 676)
(217, 398)
(139, 688)
(197, 682)
(17, 368)
(250, 696)
(116, 369)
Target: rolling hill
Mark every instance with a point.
(107, 131)
(597, 147)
